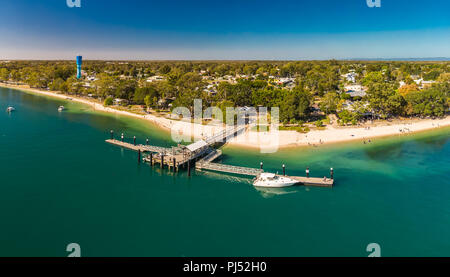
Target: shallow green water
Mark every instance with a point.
(61, 183)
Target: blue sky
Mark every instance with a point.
(228, 29)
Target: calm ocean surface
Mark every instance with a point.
(61, 183)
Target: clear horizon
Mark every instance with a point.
(419, 59)
(201, 30)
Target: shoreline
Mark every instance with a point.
(266, 140)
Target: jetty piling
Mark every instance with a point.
(134, 140)
(284, 170)
(139, 156)
(189, 167)
(112, 134)
(122, 137)
(307, 172)
(331, 173)
(261, 165)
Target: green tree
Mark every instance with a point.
(151, 102)
(373, 78)
(108, 101)
(384, 99)
(329, 102)
(431, 102)
(165, 69)
(105, 85)
(58, 85)
(295, 105)
(142, 93)
(346, 117)
(4, 74)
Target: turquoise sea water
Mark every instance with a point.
(61, 183)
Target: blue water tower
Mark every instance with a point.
(79, 63)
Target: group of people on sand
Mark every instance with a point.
(313, 144)
(368, 141)
(405, 130)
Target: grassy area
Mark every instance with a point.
(260, 128)
(299, 129)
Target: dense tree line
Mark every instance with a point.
(318, 84)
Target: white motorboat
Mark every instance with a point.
(61, 108)
(10, 109)
(270, 180)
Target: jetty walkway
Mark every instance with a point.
(202, 155)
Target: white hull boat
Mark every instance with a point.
(270, 180)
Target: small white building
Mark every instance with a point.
(155, 78)
(355, 90)
(119, 102)
(355, 87)
(350, 77)
(211, 89)
(422, 83)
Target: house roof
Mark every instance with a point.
(196, 145)
(357, 93)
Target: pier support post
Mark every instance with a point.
(134, 140)
(284, 170)
(146, 142)
(307, 172)
(174, 162)
(112, 134)
(151, 159)
(121, 137)
(261, 165)
(331, 173)
(189, 168)
(162, 161)
(139, 156)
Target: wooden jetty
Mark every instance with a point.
(202, 155)
(228, 168)
(171, 157)
(311, 181)
(143, 148)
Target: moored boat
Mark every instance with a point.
(270, 180)
(61, 108)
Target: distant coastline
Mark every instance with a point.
(429, 59)
(286, 139)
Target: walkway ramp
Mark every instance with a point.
(228, 168)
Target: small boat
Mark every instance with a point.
(61, 108)
(10, 109)
(270, 180)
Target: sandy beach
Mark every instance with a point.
(267, 141)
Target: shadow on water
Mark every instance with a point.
(435, 143)
(389, 149)
(265, 192)
(225, 177)
(385, 152)
(273, 192)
